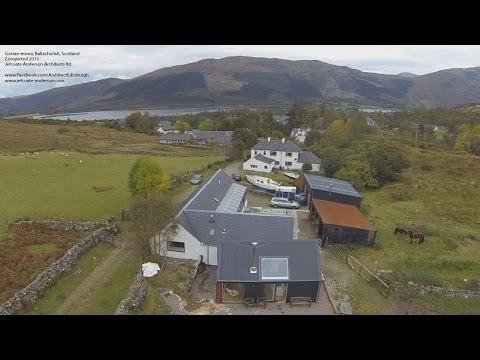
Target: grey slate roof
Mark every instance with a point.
(338, 186)
(211, 193)
(223, 137)
(174, 136)
(237, 226)
(264, 159)
(213, 214)
(309, 158)
(277, 145)
(168, 128)
(236, 258)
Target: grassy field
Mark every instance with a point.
(107, 274)
(80, 172)
(440, 196)
(75, 187)
(26, 251)
(16, 137)
(56, 296)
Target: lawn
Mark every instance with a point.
(438, 195)
(79, 186)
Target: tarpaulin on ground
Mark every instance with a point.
(150, 269)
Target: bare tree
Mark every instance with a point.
(149, 216)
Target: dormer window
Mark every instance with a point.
(273, 153)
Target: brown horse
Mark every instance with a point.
(416, 235)
(400, 231)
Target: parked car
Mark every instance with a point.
(236, 177)
(301, 199)
(196, 179)
(284, 203)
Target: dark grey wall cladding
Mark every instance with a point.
(303, 289)
(295, 289)
(340, 234)
(335, 197)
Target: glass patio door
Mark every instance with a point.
(280, 292)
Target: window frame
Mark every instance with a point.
(175, 248)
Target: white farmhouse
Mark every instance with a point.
(282, 154)
(214, 214)
(165, 127)
(299, 135)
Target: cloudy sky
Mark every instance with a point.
(130, 61)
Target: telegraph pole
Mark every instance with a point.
(416, 136)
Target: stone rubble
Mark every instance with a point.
(344, 304)
(34, 290)
(423, 290)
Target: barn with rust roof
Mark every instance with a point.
(342, 223)
(336, 205)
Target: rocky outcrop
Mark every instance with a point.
(137, 293)
(34, 290)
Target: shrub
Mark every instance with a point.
(400, 194)
(426, 167)
(146, 176)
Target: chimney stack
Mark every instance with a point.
(268, 139)
(283, 140)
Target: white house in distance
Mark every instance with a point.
(165, 127)
(282, 154)
(299, 135)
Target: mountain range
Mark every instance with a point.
(244, 80)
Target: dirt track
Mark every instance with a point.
(96, 279)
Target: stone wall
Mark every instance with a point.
(422, 290)
(34, 290)
(137, 293)
(60, 225)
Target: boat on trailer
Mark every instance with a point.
(263, 182)
(291, 174)
(272, 186)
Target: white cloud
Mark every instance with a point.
(130, 61)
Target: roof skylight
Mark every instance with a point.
(274, 268)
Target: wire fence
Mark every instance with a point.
(361, 269)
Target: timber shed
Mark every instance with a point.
(274, 270)
(342, 223)
(319, 187)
